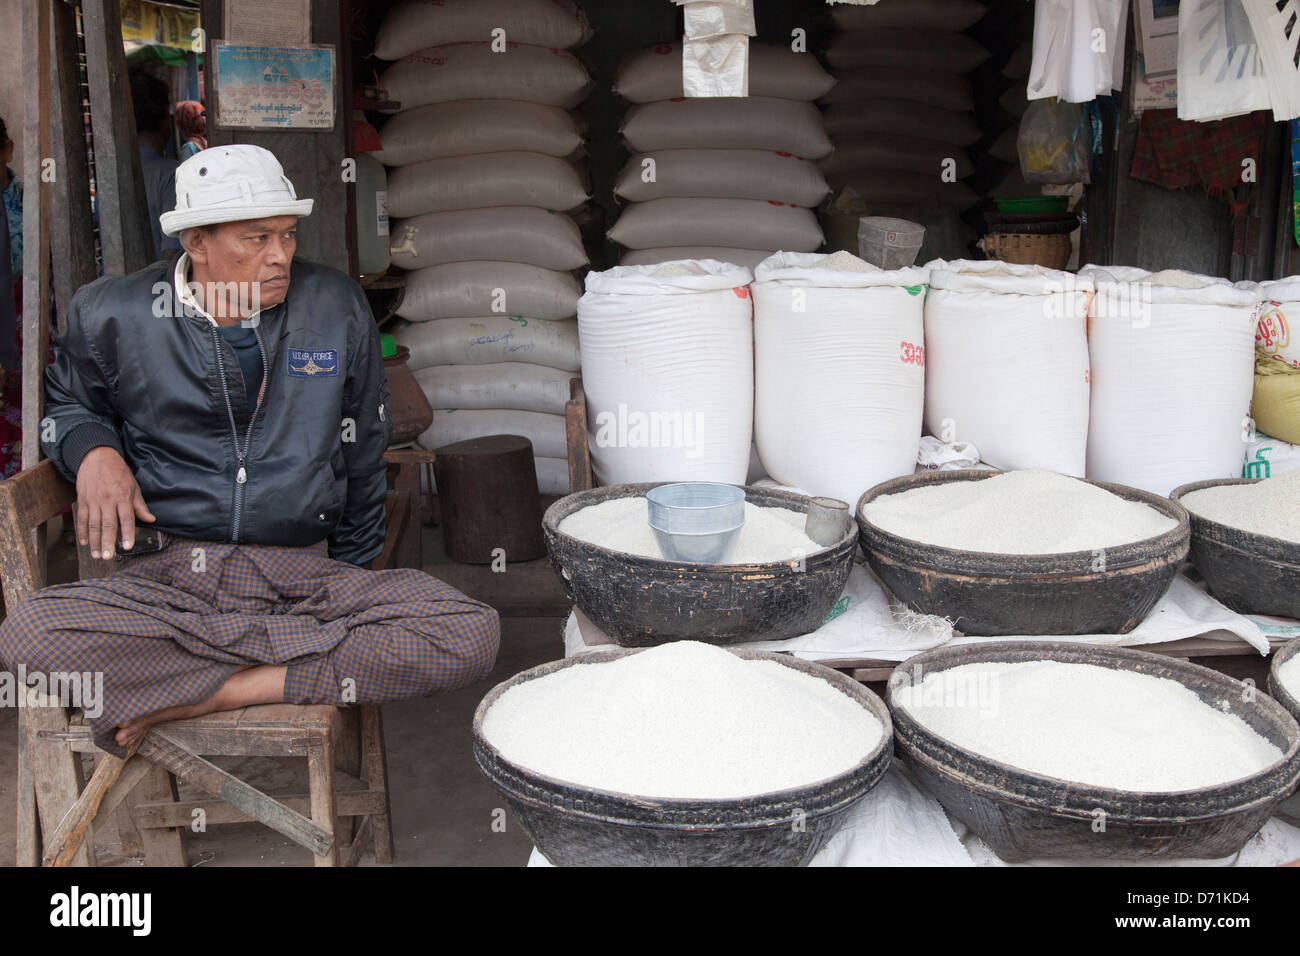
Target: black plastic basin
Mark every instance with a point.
(1286, 698)
(644, 601)
(1023, 815)
(989, 594)
(1251, 573)
(579, 826)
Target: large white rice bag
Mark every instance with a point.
(544, 430)
(415, 24)
(1277, 333)
(1173, 365)
(839, 374)
(486, 340)
(719, 174)
(471, 71)
(751, 122)
(470, 127)
(470, 289)
(1006, 363)
(668, 368)
(514, 178)
(749, 258)
(655, 73)
(519, 385)
(949, 91)
(716, 222)
(906, 154)
(525, 234)
(954, 15)
(887, 49)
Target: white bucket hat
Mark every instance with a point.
(230, 183)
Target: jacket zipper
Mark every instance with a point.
(241, 475)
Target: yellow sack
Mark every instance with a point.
(1276, 405)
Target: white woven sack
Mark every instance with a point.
(900, 118)
(544, 430)
(471, 71)
(519, 385)
(954, 15)
(715, 222)
(938, 50)
(749, 258)
(1277, 332)
(490, 179)
(469, 127)
(907, 154)
(753, 122)
(720, 174)
(526, 234)
(839, 374)
(1267, 457)
(491, 339)
(415, 24)
(470, 289)
(949, 91)
(1173, 363)
(866, 188)
(655, 73)
(1006, 363)
(668, 368)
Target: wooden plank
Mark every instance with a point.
(161, 749)
(27, 851)
(163, 846)
(72, 231)
(125, 233)
(324, 803)
(575, 434)
(153, 815)
(71, 830)
(56, 774)
(398, 509)
(374, 757)
(36, 223)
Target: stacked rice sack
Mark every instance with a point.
(901, 116)
(481, 176)
(724, 178)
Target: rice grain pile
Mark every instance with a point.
(1017, 512)
(1088, 724)
(1289, 676)
(1270, 507)
(682, 720)
(623, 524)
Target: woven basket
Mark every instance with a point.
(1029, 249)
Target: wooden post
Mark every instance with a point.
(36, 223)
(125, 234)
(72, 231)
(488, 501)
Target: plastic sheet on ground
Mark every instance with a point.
(900, 824)
(865, 625)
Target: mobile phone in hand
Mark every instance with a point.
(147, 541)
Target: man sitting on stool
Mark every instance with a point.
(235, 406)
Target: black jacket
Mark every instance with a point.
(136, 370)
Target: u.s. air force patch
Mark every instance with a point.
(311, 363)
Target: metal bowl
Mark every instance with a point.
(696, 520)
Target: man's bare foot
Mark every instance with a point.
(263, 684)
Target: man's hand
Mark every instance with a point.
(107, 498)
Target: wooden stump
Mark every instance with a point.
(488, 500)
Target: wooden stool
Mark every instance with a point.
(488, 499)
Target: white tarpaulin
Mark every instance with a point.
(864, 624)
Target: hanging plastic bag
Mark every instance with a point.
(1220, 70)
(1078, 49)
(1054, 143)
